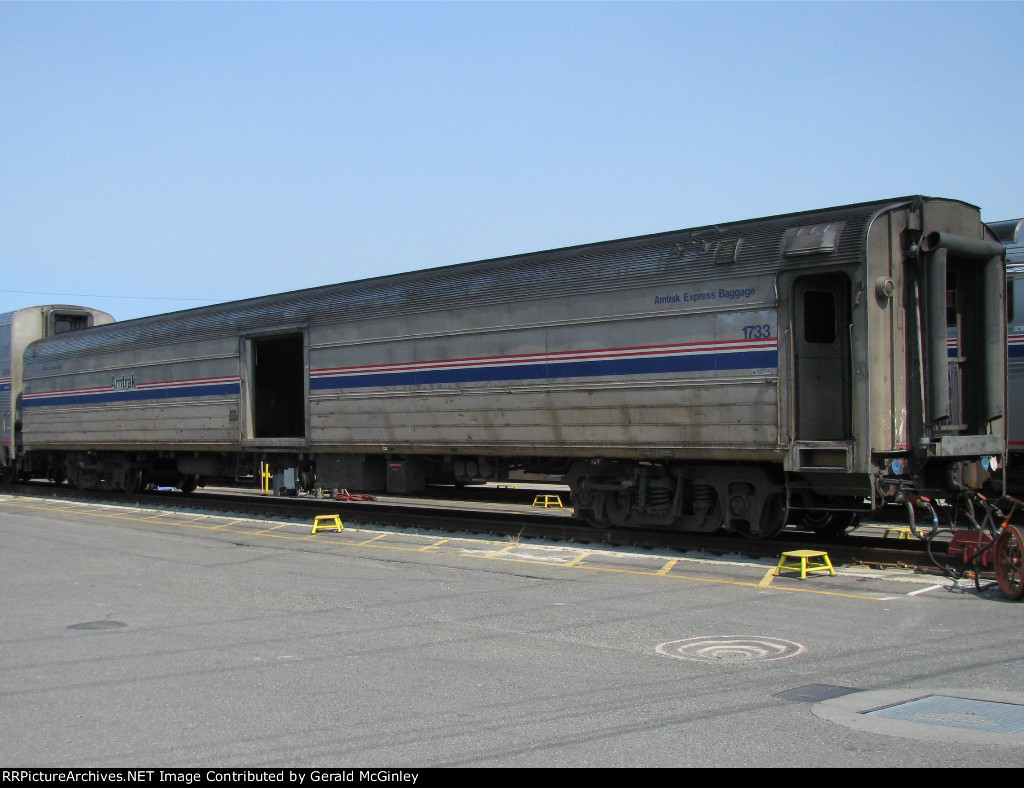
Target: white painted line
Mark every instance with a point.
(923, 590)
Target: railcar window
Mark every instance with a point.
(820, 317)
(1010, 285)
(62, 324)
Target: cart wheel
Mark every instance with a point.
(1009, 566)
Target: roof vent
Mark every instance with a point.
(812, 239)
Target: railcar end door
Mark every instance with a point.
(821, 334)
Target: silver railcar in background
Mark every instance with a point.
(1010, 234)
(18, 330)
(730, 376)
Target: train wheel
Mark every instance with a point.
(189, 484)
(594, 513)
(133, 481)
(826, 523)
(87, 479)
(1008, 560)
(9, 473)
(773, 519)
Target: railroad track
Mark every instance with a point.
(467, 513)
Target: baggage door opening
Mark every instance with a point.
(278, 386)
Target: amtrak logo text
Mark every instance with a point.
(124, 383)
(698, 296)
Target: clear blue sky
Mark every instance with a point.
(159, 156)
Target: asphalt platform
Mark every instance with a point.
(146, 638)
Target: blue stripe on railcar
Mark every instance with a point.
(700, 362)
(1014, 347)
(133, 395)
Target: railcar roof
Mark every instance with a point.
(494, 280)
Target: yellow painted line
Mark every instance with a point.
(433, 546)
(667, 567)
(268, 530)
(649, 573)
(224, 525)
(767, 579)
(577, 560)
(496, 555)
(150, 520)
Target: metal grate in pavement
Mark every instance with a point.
(978, 715)
(815, 693)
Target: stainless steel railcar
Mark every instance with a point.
(18, 329)
(1010, 234)
(720, 376)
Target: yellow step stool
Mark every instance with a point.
(901, 531)
(805, 561)
(324, 522)
(547, 500)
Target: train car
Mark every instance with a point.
(18, 329)
(730, 376)
(1009, 233)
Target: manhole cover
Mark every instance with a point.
(731, 648)
(975, 715)
(98, 625)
